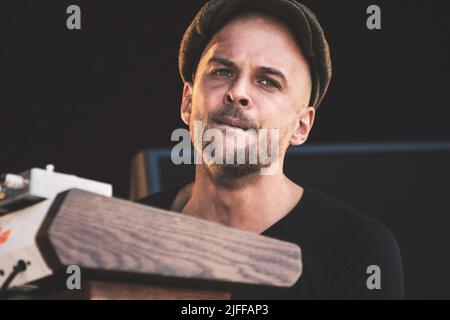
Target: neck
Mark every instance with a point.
(253, 203)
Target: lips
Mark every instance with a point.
(232, 122)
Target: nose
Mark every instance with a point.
(238, 93)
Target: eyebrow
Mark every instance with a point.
(225, 62)
(262, 69)
(272, 71)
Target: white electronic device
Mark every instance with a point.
(25, 199)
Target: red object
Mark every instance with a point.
(4, 235)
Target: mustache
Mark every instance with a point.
(232, 111)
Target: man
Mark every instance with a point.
(265, 64)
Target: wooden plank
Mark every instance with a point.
(108, 234)
(118, 291)
(99, 290)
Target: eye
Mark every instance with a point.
(222, 73)
(270, 83)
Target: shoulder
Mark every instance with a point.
(328, 217)
(355, 245)
(162, 199)
(345, 227)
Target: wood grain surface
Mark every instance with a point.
(108, 234)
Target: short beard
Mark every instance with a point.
(235, 174)
(230, 176)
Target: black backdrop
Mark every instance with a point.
(88, 100)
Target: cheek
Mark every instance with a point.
(281, 118)
(207, 98)
(276, 113)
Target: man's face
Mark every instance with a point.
(252, 74)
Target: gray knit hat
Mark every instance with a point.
(303, 23)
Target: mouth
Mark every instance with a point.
(231, 122)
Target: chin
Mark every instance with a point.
(233, 171)
(232, 175)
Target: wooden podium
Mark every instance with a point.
(127, 250)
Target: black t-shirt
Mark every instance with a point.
(338, 246)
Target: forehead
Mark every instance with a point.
(259, 39)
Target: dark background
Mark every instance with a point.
(87, 100)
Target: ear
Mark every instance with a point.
(186, 103)
(303, 126)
